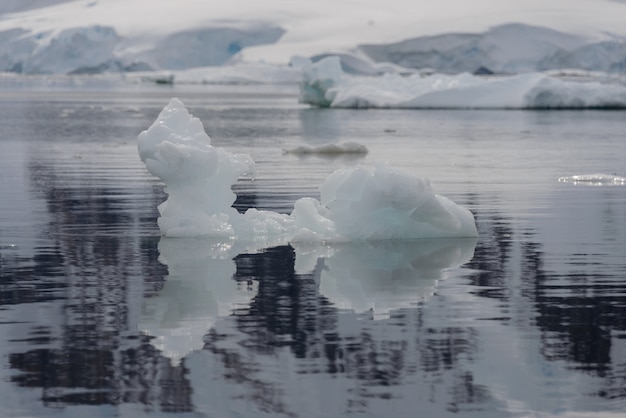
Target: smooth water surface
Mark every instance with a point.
(99, 316)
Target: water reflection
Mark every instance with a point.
(534, 324)
(294, 339)
(198, 290)
(205, 282)
(379, 277)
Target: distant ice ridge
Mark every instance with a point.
(325, 84)
(99, 48)
(358, 204)
(507, 49)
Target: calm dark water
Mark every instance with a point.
(99, 316)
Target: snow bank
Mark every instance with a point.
(204, 46)
(98, 48)
(363, 203)
(324, 84)
(241, 73)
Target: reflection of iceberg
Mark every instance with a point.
(356, 204)
(198, 290)
(324, 84)
(329, 149)
(383, 276)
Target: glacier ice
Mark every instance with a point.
(72, 50)
(99, 48)
(508, 48)
(357, 204)
(324, 84)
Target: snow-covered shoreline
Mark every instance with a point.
(403, 54)
(93, 36)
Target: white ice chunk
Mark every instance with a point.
(198, 176)
(357, 204)
(373, 203)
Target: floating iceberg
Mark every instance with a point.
(324, 84)
(357, 204)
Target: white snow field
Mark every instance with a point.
(357, 204)
(451, 36)
(325, 84)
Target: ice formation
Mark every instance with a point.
(324, 84)
(362, 203)
(198, 179)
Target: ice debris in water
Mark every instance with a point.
(597, 179)
(362, 203)
(329, 149)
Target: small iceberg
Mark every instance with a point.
(597, 179)
(357, 204)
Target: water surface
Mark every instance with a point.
(100, 316)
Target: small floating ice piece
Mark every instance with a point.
(329, 149)
(597, 179)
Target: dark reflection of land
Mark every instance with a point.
(94, 352)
